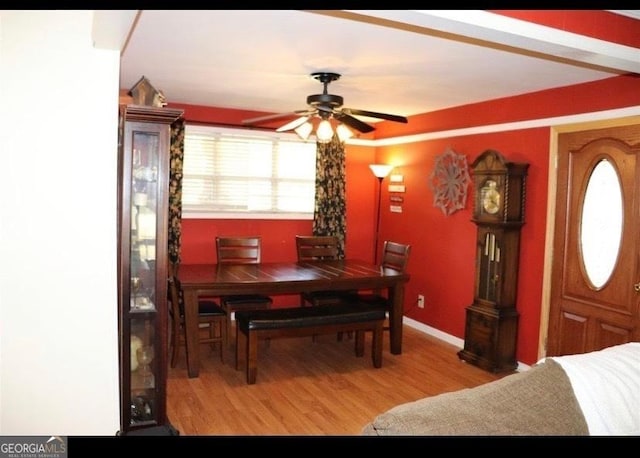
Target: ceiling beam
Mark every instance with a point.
(493, 30)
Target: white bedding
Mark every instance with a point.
(606, 384)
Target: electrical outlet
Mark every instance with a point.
(420, 301)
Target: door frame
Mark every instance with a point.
(551, 211)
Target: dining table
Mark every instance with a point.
(284, 278)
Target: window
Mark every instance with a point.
(235, 173)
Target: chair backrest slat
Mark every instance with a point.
(395, 255)
(239, 250)
(311, 247)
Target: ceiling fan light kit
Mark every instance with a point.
(322, 109)
(324, 132)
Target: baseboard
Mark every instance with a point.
(448, 338)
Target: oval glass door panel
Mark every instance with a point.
(601, 225)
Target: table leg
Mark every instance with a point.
(251, 358)
(376, 344)
(360, 342)
(395, 318)
(191, 331)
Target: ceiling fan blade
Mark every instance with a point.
(353, 122)
(293, 124)
(271, 117)
(373, 114)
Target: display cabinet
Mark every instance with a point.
(143, 168)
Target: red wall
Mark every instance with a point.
(443, 247)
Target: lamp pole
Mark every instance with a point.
(380, 171)
(375, 241)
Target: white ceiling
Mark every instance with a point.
(393, 61)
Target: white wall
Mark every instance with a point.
(58, 172)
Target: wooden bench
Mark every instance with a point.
(306, 321)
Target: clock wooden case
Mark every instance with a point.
(492, 320)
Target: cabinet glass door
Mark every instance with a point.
(145, 156)
(144, 213)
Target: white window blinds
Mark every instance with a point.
(235, 173)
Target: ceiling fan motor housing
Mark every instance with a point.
(326, 101)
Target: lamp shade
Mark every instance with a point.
(380, 170)
(324, 132)
(344, 133)
(293, 124)
(304, 130)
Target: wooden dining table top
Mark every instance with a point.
(288, 277)
(273, 278)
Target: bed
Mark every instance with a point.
(595, 394)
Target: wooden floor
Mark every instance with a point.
(312, 388)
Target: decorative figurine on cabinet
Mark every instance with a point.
(143, 93)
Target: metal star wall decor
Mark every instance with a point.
(449, 182)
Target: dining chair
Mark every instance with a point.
(319, 248)
(212, 319)
(240, 250)
(315, 248)
(394, 256)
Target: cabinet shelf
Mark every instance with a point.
(140, 311)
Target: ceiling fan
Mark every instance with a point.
(325, 106)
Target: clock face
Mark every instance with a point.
(490, 197)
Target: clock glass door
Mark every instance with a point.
(488, 264)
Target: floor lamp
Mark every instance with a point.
(380, 171)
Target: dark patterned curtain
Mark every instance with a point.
(176, 158)
(330, 212)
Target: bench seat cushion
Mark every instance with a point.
(297, 317)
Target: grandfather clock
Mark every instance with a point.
(491, 326)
